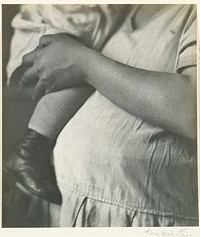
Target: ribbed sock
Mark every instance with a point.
(54, 110)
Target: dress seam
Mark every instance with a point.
(141, 210)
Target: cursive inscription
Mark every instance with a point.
(168, 233)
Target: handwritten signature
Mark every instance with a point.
(168, 233)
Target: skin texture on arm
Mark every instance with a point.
(163, 99)
(167, 100)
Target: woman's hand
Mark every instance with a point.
(163, 99)
(56, 62)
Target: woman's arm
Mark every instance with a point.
(163, 99)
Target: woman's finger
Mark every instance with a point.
(40, 89)
(45, 40)
(47, 91)
(29, 57)
(29, 76)
(15, 79)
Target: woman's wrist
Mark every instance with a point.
(88, 63)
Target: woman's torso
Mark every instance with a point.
(115, 157)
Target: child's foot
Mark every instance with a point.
(30, 165)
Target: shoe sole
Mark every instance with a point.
(26, 189)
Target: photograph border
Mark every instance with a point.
(117, 231)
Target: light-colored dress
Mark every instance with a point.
(114, 169)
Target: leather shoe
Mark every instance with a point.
(29, 164)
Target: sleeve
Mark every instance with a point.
(187, 52)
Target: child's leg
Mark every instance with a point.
(54, 110)
(30, 162)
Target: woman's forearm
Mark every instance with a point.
(163, 99)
